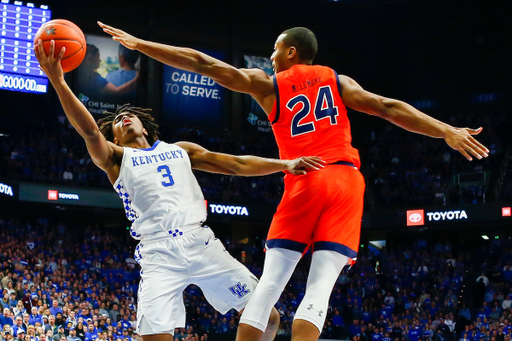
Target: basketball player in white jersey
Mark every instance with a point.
(166, 206)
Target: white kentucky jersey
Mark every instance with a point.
(159, 190)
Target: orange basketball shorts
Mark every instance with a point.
(322, 209)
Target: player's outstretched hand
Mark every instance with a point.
(122, 37)
(50, 63)
(305, 164)
(461, 139)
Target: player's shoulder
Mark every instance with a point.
(190, 148)
(256, 73)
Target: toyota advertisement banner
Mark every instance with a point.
(457, 215)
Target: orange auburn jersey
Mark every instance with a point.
(309, 117)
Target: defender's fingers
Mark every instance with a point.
(304, 163)
(102, 25)
(316, 159)
(465, 153)
(316, 163)
(475, 141)
(473, 152)
(111, 32)
(477, 148)
(475, 131)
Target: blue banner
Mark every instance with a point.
(192, 99)
(256, 119)
(108, 77)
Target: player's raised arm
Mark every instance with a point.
(248, 165)
(103, 153)
(251, 81)
(409, 118)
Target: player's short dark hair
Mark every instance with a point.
(304, 40)
(148, 122)
(131, 56)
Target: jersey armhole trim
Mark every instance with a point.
(278, 106)
(338, 83)
(121, 167)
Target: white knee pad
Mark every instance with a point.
(325, 268)
(278, 268)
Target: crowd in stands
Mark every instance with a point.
(401, 169)
(65, 284)
(404, 169)
(55, 153)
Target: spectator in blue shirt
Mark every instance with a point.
(35, 317)
(414, 334)
(386, 337)
(33, 292)
(125, 335)
(464, 337)
(91, 334)
(5, 319)
(124, 323)
(428, 333)
(354, 328)
(18, 324)
(486, 309)
(376, 337)
(55, 308)
(72, 335)
(85, 314)
(337, 320)
(12, 300)
(464, 311)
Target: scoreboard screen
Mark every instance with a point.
(19, 69)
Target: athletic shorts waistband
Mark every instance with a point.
(293, 245)
(344, 163)
(173, 233)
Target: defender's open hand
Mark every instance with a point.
(305, 164)
(461, 139)
(122, 37)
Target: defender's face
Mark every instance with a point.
(126, 127)
(279, 56)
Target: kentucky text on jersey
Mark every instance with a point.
(156, 158)
(306, 84)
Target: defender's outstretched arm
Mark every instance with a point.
(251, 81)
(409, 118)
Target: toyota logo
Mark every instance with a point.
(415, 217)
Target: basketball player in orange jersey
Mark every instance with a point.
(306, 105)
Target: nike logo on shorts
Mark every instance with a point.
(207, 242)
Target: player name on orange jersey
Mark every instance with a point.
(306, 84)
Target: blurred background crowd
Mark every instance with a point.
(59, 282)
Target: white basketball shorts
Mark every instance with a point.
(169, 264)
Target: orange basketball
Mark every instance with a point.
(65, 34)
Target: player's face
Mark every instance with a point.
(127, 126)
(279, 56)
